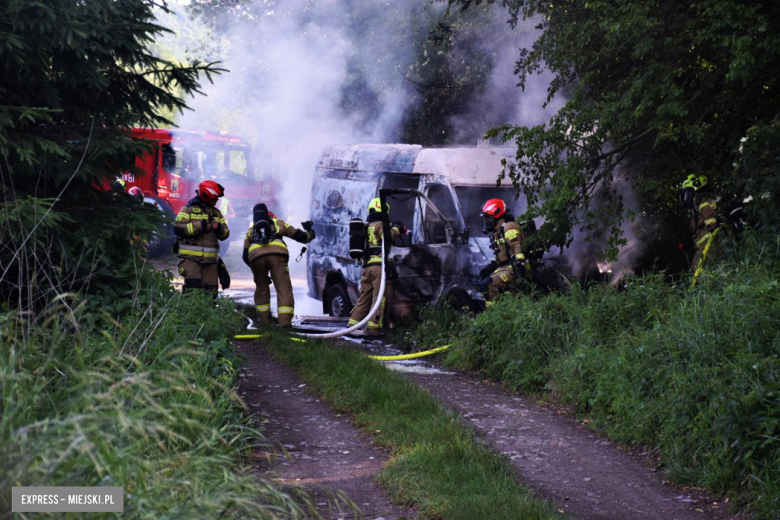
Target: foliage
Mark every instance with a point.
(142, 399)
(437, 465)
(655, 91)
(73, 78)
(694, 375)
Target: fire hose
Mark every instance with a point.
(354, 327)
(360, 324)
(374, 309)
(401, 357)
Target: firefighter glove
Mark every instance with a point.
(401, 228)
(245, 256)
(518, 264)
(488, 269)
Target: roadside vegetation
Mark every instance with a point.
(693, 375)
(142, 399)
(436, 465)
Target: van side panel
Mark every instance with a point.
(337, 197)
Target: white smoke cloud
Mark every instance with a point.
(289, 66)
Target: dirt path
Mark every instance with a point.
(587, 476)
(325, 448)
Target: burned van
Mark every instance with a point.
(436, 193)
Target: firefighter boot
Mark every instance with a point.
(285, 302)
(262, 290)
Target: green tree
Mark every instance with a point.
(73, 77)
(655, 90)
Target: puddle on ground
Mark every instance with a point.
(413, 366)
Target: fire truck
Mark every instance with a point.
(181, 159)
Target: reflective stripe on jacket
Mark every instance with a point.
(193, 226)
(276, 245)
(704, 218)
(375, 237)
(508, 237)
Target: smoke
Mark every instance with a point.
(305, 74)
(501, 100)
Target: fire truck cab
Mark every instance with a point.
(181, 160)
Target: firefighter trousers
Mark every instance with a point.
(500, 279)
(199, 276)
(369, 292)
(264, 269)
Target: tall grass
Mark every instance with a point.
(694, 375)
(142, 400)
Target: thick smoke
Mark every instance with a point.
(304, 75)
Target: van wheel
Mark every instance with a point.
(159, 244)
(338, 302)
(459, 299)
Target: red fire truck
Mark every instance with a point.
(181, 159)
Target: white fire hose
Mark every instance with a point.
(365, 320)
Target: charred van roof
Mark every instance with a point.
(462, 166)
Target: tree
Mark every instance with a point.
(655, 90)
(73, 77)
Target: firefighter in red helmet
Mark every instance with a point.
(506, 241)
(199, 227)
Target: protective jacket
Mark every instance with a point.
(375, 234)
(276, 245)
(703, 217)
(507, 242)
(198, 241)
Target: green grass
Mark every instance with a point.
(693, 375)
(142, 399)
(436, 463)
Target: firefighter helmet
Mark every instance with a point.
(694, 181)
(118, 185)
(209, 191)
(136, 192)
(376, 206)
(492, 210)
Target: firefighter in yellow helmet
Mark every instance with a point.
(199, 227)
(266, 254)
(699, 200)
(506, 241)
(372, 271)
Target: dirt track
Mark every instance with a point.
(325, 448)
(588, 477)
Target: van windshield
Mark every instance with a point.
(200, 161)
(473, 197)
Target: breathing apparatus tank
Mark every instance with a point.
(263, 230)
(357, 240)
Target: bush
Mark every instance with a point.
(693, 374)
(142, 400)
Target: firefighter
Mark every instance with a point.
(506, 241)
(698, 199)
(118, 186)
(372, 270)
(266, 253)
(199, 227)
